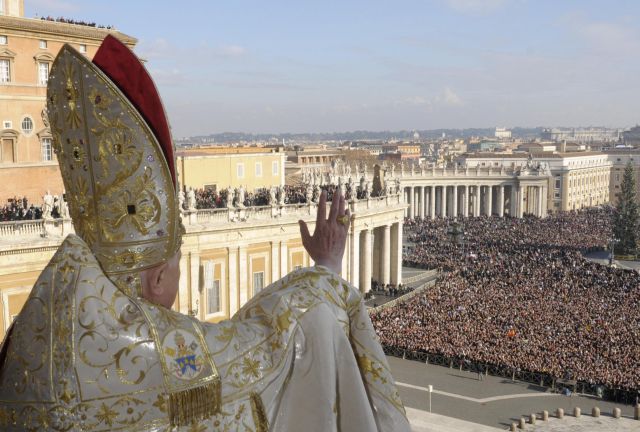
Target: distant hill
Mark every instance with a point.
(225, 137)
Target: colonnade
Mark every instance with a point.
(376, 253)
(455, 200)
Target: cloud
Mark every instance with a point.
(604, 37)
(446, 98)
(46, 7)
(230, 51)
(475, 6)
(159, 48)
(168, 77)
(449, 98)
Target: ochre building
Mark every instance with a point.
(28, 47)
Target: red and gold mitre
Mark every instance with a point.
(116, 157)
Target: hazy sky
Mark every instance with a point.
(322, 66)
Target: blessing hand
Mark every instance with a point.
(327, 244)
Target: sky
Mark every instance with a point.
(329, 66)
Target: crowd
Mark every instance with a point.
(18, 209)
(76, 22)
(519, 293)
(293, 194)
(389, 290)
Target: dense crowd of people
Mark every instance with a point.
(519, 293)
(18, 209)
(388, 290)
(293, 194)
(73, 21)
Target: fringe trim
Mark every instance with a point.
(260, 419)
(193, 405)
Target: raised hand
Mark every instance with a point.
(326, 245)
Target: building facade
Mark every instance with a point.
(222, 167)
(577, 179)
(619, 158)
(27, 50)
(228, 255)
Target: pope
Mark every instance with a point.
(97, 346)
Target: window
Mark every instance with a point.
(3, 38)
(83, 48)
(7, 124)
(274, 168)
(258, 282)
(43, 73)
(558, 182)
(556, 194)
(258, 169)
(43, 44)
(5, 71)
(212, 288)
(46, 149)
(240, 170)
(27, 125)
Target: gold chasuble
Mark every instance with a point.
(88, 353)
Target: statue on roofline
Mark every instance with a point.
(97, 347)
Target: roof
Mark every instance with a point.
(221, 151)
(35, 25)
(554, 155)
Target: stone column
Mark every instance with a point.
(183, 290)
(194, 268)
(476, 201)
(545, 201)
(501, 200)
(521, 203)
(242, 275)
(513, 202)
(454, 207)
(421, 193)
(411, 202)
(564, 201)
(284, 259)
(396, 253)
(367, 255)
(354, 239)
(443, 211)
(489, 200)
(234, 295)
(385, 254)
(275, 267)
(432, 203)
(465, 202)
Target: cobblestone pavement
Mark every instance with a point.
(494, 401)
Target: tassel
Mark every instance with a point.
(259, 415)
(193, 405)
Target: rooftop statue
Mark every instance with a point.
(97, 346)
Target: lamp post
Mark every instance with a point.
(612, 245)
(456, 236)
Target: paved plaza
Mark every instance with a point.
(459, 400)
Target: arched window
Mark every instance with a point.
(27, 125)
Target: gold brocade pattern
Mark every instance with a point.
(92, 358)
(121, 194)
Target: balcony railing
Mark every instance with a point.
(20, 231)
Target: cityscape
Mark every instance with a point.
(487, 274)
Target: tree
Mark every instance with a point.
(625, 217)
